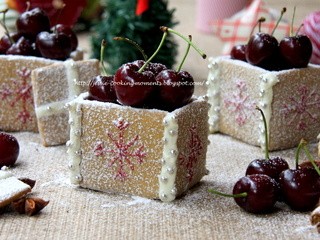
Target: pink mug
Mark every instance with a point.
(208, 10)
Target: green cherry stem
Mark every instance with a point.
(3, 24)
(293, 16)
(281, 15)
(136, 45)
(300, 146)
(261, 20)
(166, 29)
(185, 55)
(154, 54)
(266, 133)
(311, 159)
(102, 48)
(239, 195)
(298, 30)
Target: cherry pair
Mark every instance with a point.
(35, 37)
(265, 51)
(146, 84)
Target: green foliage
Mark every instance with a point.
(119, 20)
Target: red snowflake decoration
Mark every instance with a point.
(300, 107)
(22, 92)
(122, 152)
(190, 158)
(240, 103)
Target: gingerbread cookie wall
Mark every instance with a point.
(290, 100)
(144, 152)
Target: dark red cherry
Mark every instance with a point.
(156, 68)
(268, 166)
(175, 89)
(262, 193)
(22, 47)
(101, 88)
(61, 28)
(308, 164)
(271, 167)
(5, 42)
(32, 22)
(133, 87)
(296, 51)
(54, 45)
(239, 52)
(262, 50)
(9, 149)
(300, 188)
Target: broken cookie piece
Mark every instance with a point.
(11, 188)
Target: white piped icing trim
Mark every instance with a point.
(167, 178)
(74, 90)
(213, 95)
(72, 77)
(74, 146)
(51, 108)
(267, 81)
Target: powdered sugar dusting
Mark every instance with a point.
(140, 147)
(289, 99)
(17, 107)
(70, 79)
(216, 216)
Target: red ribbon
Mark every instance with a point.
(142, 6)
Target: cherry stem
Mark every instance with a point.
(293, 16)
(58, 5)
(266, 133)
(166, 29)
(300, 146)
(239, 195)
(261, 20)
(298, 30)
(3, 24)
(28, 6)
(311, 159)
(102, 48)
(185, 55)
(154, 54)
(136, 45)
(281, 15)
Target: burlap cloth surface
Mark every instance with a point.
(76, 213)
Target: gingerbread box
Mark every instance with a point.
(53, 87)
(145, 152)
(17, 111)
(290, 100)
(16, 105)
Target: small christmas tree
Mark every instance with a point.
(136, 20)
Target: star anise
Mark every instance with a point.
(315, 217)
(29, 205)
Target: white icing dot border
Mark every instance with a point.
(167, 178)
(213, 94)
(74, 144)
(267, 81)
